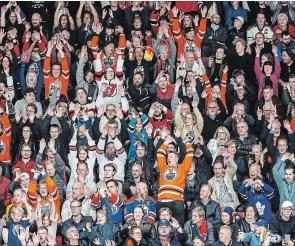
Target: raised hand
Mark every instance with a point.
(119, 113)
(100, 110)
(177, 132)
(105, 130)
(175, 11)
(287, 125)
(204, 11)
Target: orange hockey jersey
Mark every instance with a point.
(210, 90)
(49, 80)
(185, 45)
(110, 61)
(52, 191)
(172, 179)
(5, 140)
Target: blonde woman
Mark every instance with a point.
(221, 136)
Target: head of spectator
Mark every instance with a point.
(136, 41)
(251, 213)
(109, 74)
(212, 109)
(254, 171)
(29, 96)
(31, 79)
(227, 216)
(138, 33)
(78, 190)
(73, 235)
(24, 180)
(258, 184)
(110, 111)
(87, 18)
(286, 210)
(110, 152)
(283, 21)
(257, 151)
(286, 38)
(199, 241)
(109, 48)
(260, 20)
(239, 112)
(164, 229)
(136, 171)
(140, 150)
(139, 54)
(205, 192)
(222, 134)
(54, 131)
(112, 186)
(266, 57)
(137, 79)
(81, 96)
(282, 145)
(198, 216)
(220, 54)
(238, 22)
(42, 235)
(242, 129)
(18, 196)
(189, 33)
(16, 214)
(165, 214)
(137, 22)
(82, 171)
(189, 58)
(109, 29)
(142, 191)
(135, 234)
(138, 214)
(215, 19)
(259, 39)
(239, 77)
(289, 172)
(109, 171)
(46, 220)
(43, 189)
(231, 147)
(76, 208)
(3, 87)
(225, 233)
(267, 93)
(240, 46)
(172, 159)
(190, 120)
(268, 68)
(36, 21)
(218, 167)
(164, 21)
(191, 172)
(288, 56)
(26, 152)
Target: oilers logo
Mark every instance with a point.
(2, 147)
(171, 174)
(190, 47)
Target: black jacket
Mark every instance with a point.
(193, 192)
(212, 210)
(139, 97)
(278, 226)
(245, 146)
(203, 163)
(220, 35)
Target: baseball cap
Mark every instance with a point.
(164, 223)
(240, 18)
(262, 223)
(189, 29)
(287, 204)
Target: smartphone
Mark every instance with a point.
(287, 238)
(39, 168)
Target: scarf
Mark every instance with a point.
(251, 222)
(202, 231)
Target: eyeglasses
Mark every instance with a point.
(137, 233)
(287, 209)
(75, 207)
(111, 110)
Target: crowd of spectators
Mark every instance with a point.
(147, 123)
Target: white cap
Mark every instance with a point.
(287, 204)
(240, 18)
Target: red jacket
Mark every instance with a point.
(25, 168)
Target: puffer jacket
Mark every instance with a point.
(212, 210)
(193, 192)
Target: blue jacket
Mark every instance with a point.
(231, 13)
(102, 232)
(136, 136)
(260, 199)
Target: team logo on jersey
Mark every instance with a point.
(190, 47)
(110, 91)
(260, 208)
(108, 61)
(2, 147)
(170, 174)
(56, 84)
(16, 229)
(114, 209)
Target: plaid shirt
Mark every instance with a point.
(5, 196)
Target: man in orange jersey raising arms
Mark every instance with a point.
(172, 179)
(58, 74)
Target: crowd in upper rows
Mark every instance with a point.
(147, 123)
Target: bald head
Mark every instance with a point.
(36, 19)
(141, 190)
(78, 190)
